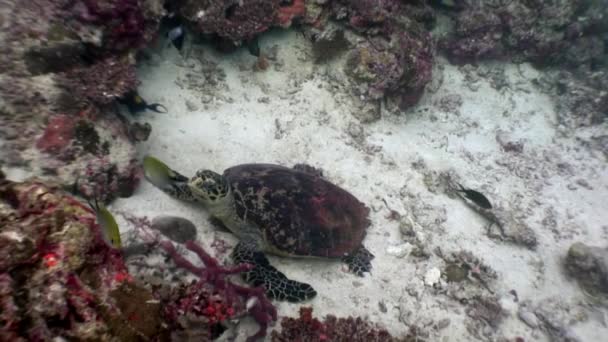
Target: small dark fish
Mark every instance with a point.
(136, 103)
(253, 45)
(476, 197)
(176, 35)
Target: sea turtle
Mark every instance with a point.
(278, 210)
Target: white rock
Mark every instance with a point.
(399, 251)
(529, 318)
(432, 276)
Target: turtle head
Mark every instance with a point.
(209, 187)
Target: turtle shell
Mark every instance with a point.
(298, 213)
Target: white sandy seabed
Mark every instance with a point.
(297, 112)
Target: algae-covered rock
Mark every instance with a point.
(589, 266)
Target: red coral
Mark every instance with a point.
(57, 135)
(287, 13)
(215, 297)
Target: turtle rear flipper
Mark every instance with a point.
(277, 285)
(359, 261)
(169, 181)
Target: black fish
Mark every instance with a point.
(176, 31)
(176, 36)
(476, 197)
(136, 103)
(253, 45)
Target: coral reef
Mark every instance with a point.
(238, 21)
(99, 84)
(393, 56)
(200, 308)
(310, 329)
(121, 24)
(57, 276)
(64, 66)
(545, 32)
(566, 34)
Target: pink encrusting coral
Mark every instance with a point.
(288, 12)
(58, 133)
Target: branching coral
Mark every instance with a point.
(215, 297)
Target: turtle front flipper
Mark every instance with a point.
(169, 181)
(277, 285)
(359, 261)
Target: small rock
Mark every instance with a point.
(192, 107)
(140, 132)
(382, 307)
(507, 143)
(442, 324)
(399, 251)
(455, 273)
(432, 276)
(589, 266)
(406, 228)
(206, 98)
(175, 228)
(528, 317)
